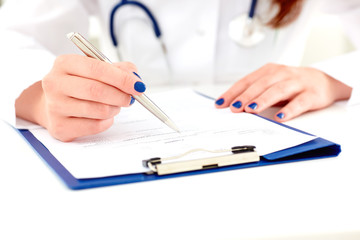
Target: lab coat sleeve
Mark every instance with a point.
(32, 34)
(345, 68)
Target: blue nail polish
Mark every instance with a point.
(140, 87)
(253, 106)
(220, 101)
(132, 100)
(237, 104)
(280, 115)
(136, 75)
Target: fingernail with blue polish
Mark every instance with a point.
(139, 87)
(220, 101)
(137, 75)
(237, 104)
(132, 100)
(280, 115)
(253, 106)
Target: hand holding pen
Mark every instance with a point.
(82, 95)
(91, 51)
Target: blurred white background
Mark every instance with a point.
(327, 38)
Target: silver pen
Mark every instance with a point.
(91, 51)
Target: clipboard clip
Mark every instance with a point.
(236, 155)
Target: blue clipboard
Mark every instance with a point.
(315, 149)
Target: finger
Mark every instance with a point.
(69, 129)
(126, 66)
(231, 96)
(101, 71)
(235, 90)
(255, 90)
(87, 109)
(92, 90)
(297, 106)
(278, 92)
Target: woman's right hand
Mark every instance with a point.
(80, 96)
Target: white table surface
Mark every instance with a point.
(318, 199)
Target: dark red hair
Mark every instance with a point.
(289, 10)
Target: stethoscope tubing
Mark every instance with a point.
(249, 21)
(135, 3)
(252, 8)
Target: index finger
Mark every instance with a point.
(107, 73)
(242, 85)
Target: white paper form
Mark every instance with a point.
(137, 135)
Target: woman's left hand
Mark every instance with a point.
(301, 88)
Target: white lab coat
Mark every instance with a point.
(32, 34)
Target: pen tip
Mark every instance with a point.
(176, 129)
(172, 126)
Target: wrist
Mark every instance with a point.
(30, 105)
(340, 90)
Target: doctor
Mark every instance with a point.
(255, 44)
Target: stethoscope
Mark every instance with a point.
(246, 29)
(147, 11)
